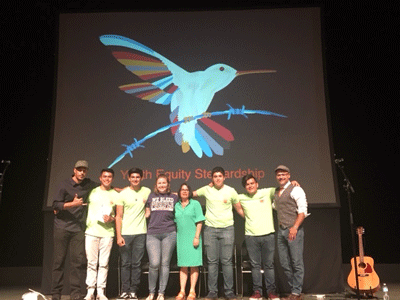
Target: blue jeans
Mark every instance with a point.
(261, 251)
(218, 243)
(291, 258)
(160, 248)
(131, 256)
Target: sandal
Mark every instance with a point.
(180, 296)
(192, 296)
(150, 297)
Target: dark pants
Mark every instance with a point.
(291, 258)
(131, 257)
(75, 241)
(261, 251)
(219, 245)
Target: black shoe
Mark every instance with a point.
(230, 296)
(211, 296)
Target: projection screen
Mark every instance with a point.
(169, 92)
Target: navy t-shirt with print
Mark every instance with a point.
(162, 207)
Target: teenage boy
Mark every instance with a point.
(259, 235)
(99, 234)
(131, 232)
(219, 234)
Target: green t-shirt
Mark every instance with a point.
(258, 212)
(219, 205)
(133, 220)
(100, 202)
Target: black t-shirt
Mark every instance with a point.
(72, 219)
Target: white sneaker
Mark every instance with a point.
(89, 296)
(123, 296)
(133, 296)
(100, 294)
(160, 297)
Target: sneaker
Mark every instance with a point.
(211, 296)
(230, 296)
(100, 294)
(133, 296)
(160, 297)
(273, 296)
(89, 296)
(256, 296)
(123, 296)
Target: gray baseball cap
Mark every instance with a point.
(81, 164)
(283, 168)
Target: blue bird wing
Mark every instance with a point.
(156, 71)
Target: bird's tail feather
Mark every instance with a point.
(210, 137)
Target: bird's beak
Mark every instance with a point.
(238, 73)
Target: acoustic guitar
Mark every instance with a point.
(368, 280)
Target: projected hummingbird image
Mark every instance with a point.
(189, 95)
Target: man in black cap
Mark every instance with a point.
(69, 207)
(291, 204)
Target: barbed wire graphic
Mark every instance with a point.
(230, 112)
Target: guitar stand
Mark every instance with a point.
(349, 189)
(363, 295)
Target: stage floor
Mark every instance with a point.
(16, 292)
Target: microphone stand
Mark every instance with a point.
(349, 189)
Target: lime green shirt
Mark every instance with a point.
(100, 202)
(219, 203)
(133, 220)
(258, 212)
